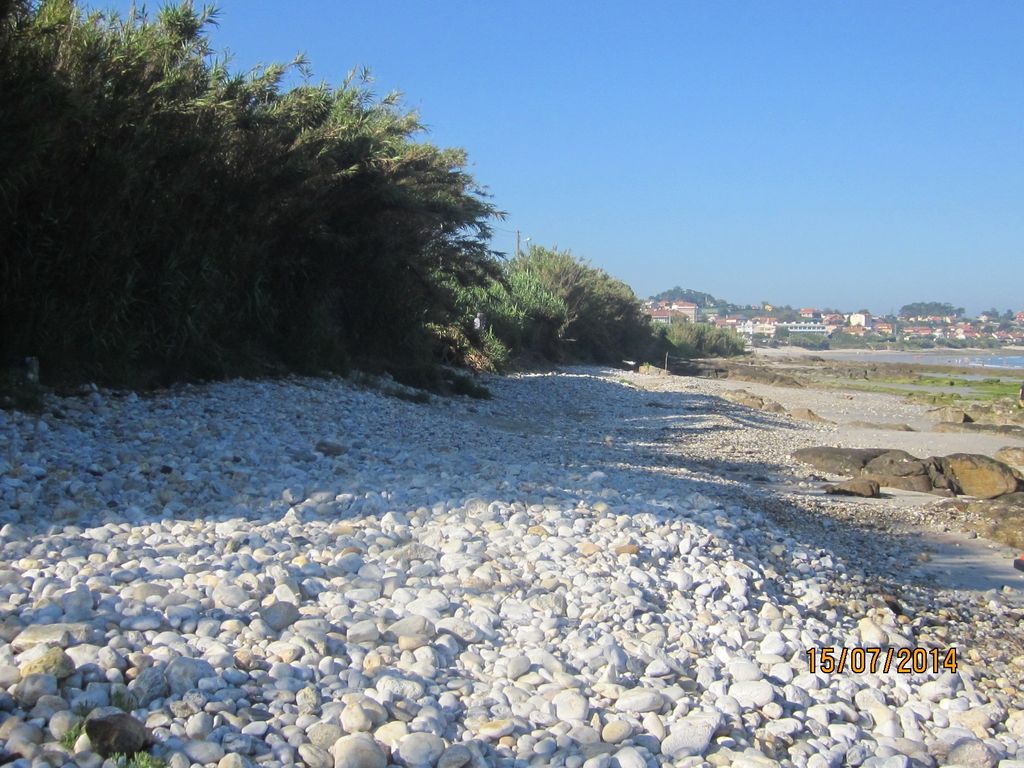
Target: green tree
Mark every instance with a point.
(930, 309)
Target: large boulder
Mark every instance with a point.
(979, 476)
(837, 461)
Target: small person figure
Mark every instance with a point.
(1020, 396)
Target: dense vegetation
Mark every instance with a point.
(693, 340)
(930, 309)
(164, 218)
(549, 305)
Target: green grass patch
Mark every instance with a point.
(68, 739)
(966, 389)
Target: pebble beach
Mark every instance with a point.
(592, 569)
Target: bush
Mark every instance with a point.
(693, 340)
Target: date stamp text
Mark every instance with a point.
(903, 661)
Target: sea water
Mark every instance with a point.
(966, 359)
(997, 361)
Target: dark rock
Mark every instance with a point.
(979, 476)
(860, 486)
(899, 469)
(837, 461)
(117, 734)
(896, 463)
(330, 448)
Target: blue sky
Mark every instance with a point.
(849, 155)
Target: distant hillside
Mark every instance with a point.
(701, 299)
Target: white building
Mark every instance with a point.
(863, 319)
(805, 328)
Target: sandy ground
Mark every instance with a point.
(932, 547)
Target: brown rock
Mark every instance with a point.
(750, 400)
(627, 549)
(54, 662)
(806, 414)
(979, 476)
(859, 486)
(117, 734)
(588, 548)
(952, 415)
(1012, 456)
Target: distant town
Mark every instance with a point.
(917, 325)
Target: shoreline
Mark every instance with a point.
(900, 357)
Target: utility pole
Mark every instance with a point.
(517, 243)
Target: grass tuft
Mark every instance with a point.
(68, 739)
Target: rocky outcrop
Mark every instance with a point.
(960, 473)
(1000, 413)
(979, 476)
(763, 376)
(985, 429)
(837, 461)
